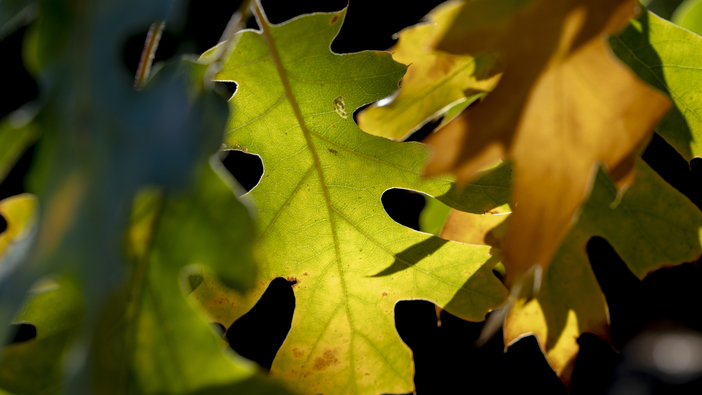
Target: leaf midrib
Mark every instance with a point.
(273, 51)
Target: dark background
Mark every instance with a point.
(446, 358)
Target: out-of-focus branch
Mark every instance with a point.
(147, 55)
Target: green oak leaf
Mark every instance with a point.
(33, 366)
(150, 339)
(667, 56)
(653, 226)
(319, 215)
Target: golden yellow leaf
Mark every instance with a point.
(563, 104)
(434, 81)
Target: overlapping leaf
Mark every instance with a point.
(432, 79)
(102, 142)
(653, 226)
(667, 57)
(562, 104)
(150, 340)
(319, 213)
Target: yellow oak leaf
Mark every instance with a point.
(434, 81)
(563, 104)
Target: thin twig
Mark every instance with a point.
(147, 55)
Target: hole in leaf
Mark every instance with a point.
(259, 333)
(134, 46)
(403, 206)
(225, 89)
(23, 332)
(425, 130)
(246, 168)
(252, 24)
(3, 224)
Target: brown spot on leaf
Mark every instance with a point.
(334, 19)
(385, 294)
(297, 353)
(327, 359)
(335, 152)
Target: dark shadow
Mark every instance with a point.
(403, 206)
(246, 168)
(448, 362)
(674, 120)
(412, 255)
(594, 366)
(622, 291)
(22, 332)
(204, 27)
(667, 162)
(259, 333)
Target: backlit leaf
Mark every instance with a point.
(667, 57)
(319, 214)
(433, 81)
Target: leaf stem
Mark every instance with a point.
(147, 55)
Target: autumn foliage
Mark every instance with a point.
(135, 239)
